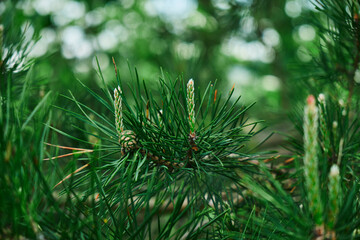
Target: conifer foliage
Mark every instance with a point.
(177, 163)
(322, 201)
(173, 155)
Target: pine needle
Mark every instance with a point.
(71, 174)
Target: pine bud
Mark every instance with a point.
(127, 138)
(160, 113)
(191, 105)
(1, 42)
(335, 125)
(334, 193)
(118, 111)
(357, 76)
(323, 127)
(341, 103)
(321, 98)
(311, 160)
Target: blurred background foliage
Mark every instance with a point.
(257, 45)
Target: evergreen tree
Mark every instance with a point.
(177, 163)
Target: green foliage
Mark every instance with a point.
(169, 167)
(22, 134)
(160, 158)
(291, 214)
(338, 58)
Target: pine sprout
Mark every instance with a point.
(191, 105)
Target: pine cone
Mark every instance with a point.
(128, 140)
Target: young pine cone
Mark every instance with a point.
(128, 140)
